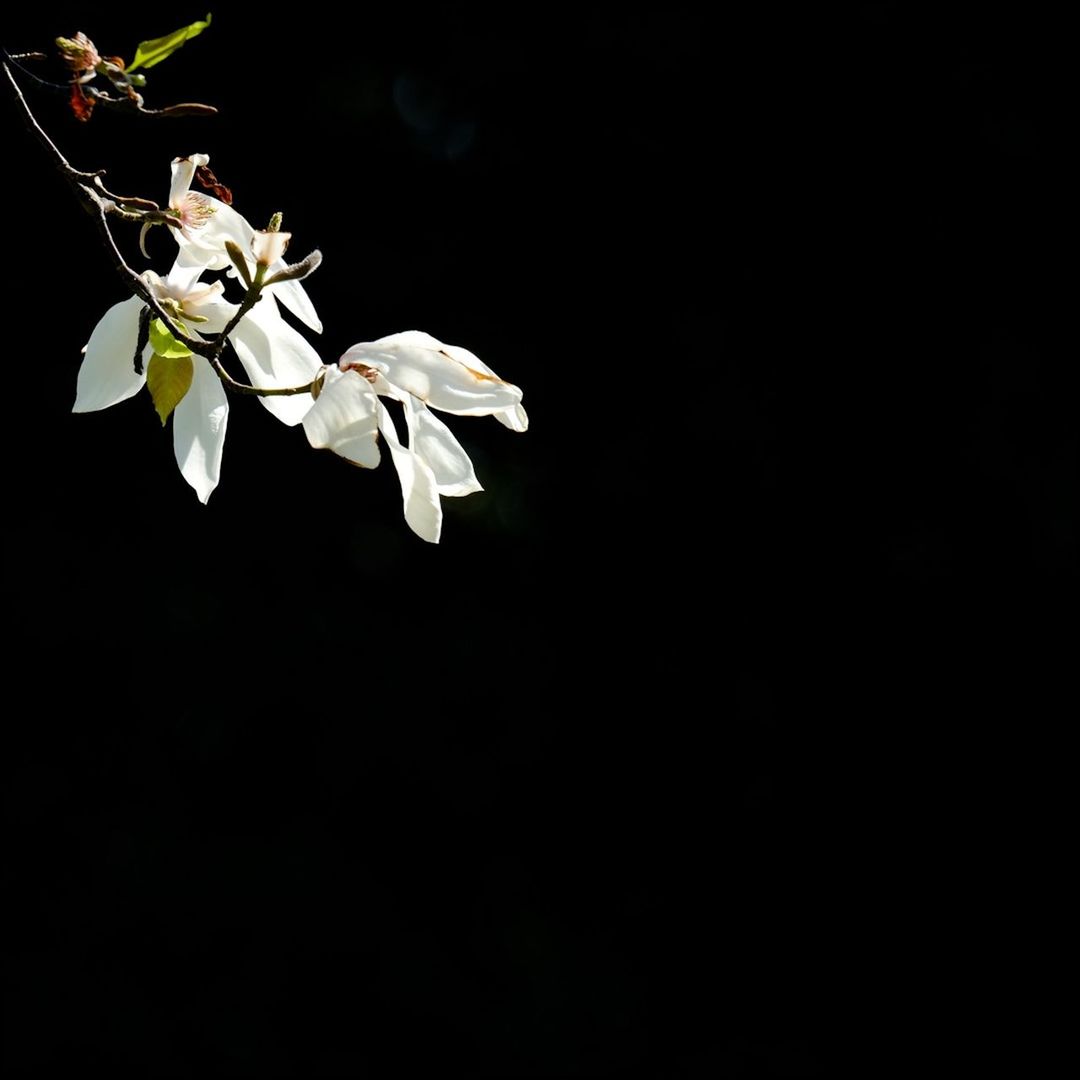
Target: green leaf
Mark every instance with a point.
(168, 379)
(153, 52)
(164, 343)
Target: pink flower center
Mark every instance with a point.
(195, 210)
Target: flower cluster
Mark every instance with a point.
(340, 407)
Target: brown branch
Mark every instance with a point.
(135, 104)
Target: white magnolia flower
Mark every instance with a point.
(207, 223)
(272, 352)
(423, 374)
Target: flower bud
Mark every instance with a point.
(298, 271)
(238, 260)
(268, 247)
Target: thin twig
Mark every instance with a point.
(38, 131)
(135, 104)
(15, 58)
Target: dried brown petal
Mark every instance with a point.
(208, 181)
(81, 105)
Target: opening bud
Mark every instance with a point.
(268, 247)
(78, 52)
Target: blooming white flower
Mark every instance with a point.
(207, 223)
(423, 374)
(272, 352)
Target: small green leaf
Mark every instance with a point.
(164, 343)
(168, 379)
(153, 52)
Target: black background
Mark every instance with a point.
(695, 748)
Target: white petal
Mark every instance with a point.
(294, 296)
(433, 441)
(205, 246)
(183, 169)
(214, 308)
(343, 418)
(199, 423)
(181, 280)
(516, 419)
(411, 361)
(108, 373)
(411, 337)
(457, 352)
(274, 354)
(423, 511)
(468, 359)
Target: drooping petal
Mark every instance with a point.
(516, 419)
(183, 170)
(199, 423)
(107, 374)
(274, 354)
(468, 359)
(294, 296)
(431, 440)
(344, 418)
(419, 491)
(411, 361)
(455, 352)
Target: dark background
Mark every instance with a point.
(700, 746)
